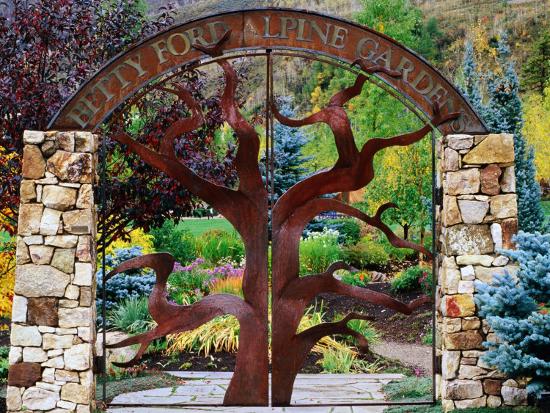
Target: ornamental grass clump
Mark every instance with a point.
(517, 309)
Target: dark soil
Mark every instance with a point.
(390, 324)
(4, 332)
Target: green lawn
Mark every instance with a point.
(198, 226)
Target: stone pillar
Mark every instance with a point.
(53, 319)
(478, 218)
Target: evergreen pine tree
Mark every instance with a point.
(504, 115)
(288, 159)
(471, 88)
(518, 310)
(536, 71)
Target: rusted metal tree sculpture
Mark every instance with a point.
(291, 293)
(247, 209)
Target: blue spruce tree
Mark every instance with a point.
(471, 88)
(288, 159)
(504, 114)
(518, 310)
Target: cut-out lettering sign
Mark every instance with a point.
(275, 29)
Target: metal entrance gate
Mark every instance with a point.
(156, 63)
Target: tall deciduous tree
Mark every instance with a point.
(47, 48)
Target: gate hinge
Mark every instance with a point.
(99, 364)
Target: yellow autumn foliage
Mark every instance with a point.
(7, 280)
(137, 237)
(536, 130)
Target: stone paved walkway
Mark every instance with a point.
(208, 388)
(414, 355)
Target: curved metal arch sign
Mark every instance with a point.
(305, 31)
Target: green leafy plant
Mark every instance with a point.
(177, 241)
(366, 252)
(427, 338)
(410, 279)
(318, 251)
(358, 279)
(397, 254)
(4, 364)
(335, 361)
(131, 316)
(217, 246)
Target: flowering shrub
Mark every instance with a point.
(137, 238)
(318, 251)
(7, 277)
(358, 279)
(412, 279)
(366, 252)
(177, 241)
(217, 246)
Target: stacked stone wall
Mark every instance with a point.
(478, 218)
(53, 316)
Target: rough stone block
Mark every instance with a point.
(63, 260)
(464, 389)
(25, 336)
(27, 191)
(496, 148)
(508, 181)
(471, 323)
(471, 372)
(75, 317)
(22, 252)
(13, 398)
(473, 212)
(459, 305)
(29, 219)
(451, 213)
(34, 165)
(75, 393)
(459, 141)
(504, 206)
(78, 222)
(450, 362)
(471, 403)
(19, 309)
(77, 357)
(24, 374)
(84, 248)
(514, 396)
(463, 182)
(50, 222)
(43, 311)
(55, 341)
(33, 137)
(496, 235)
(62, 241)
(509, 229)
(489, 180)
(85, 197)
(464, 340)
(40, 399)
(486, 274)
(71, 167)
(468, 239)
(83, 274)
(65, 141)
(59, 197)
(34, 355)
(40, 281)
(451, 160)
(492, 386)
(41, 254)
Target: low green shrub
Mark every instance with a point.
(217, 246)
(177, 241)
(357, 279)
(427, 338)
(410, 279)
(4, 364)
(337, 362)
(365, 253)
(409, 389)
(318, 251)
(131, 316)
(349, 230)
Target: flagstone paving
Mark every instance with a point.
(208, 388)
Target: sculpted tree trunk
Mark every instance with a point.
(301, 203)
(247, 210)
